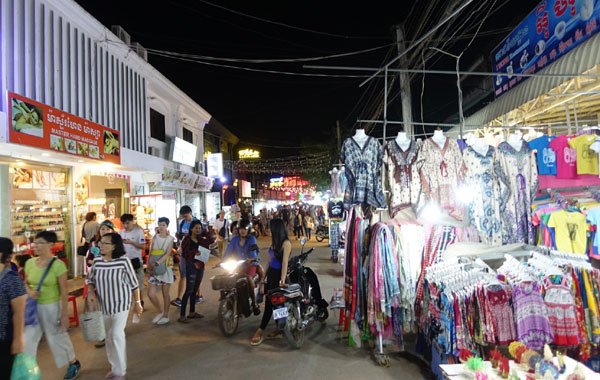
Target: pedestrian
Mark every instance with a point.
(134, 241)
(161, 248)
(52, 312)
(195, 268)
(185, 213)
(12, 310)
(204, 221)
(279, 253)
(112, 282)
(223, 232)
(298, 227)
(309, 225)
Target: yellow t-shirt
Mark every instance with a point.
(587, 159)
(570, 231)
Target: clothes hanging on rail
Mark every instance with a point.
(402, 176)
(441, 174)
(521, 170)
(490, 191)
(587, 159)
(336, 191)
(566, 157)
(546, 157)
(363, 172)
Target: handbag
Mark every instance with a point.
(25, 367)
(92, 322)
(83, 249)
(31, 317)
(158, 269)
(223, 230)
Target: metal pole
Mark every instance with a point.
(385, 98)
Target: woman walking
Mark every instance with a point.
(12, 310)
(52, 315)
(196, 238)
(113, 281)
(161, 250)
(279, 254)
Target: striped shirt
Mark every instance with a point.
(114, 281)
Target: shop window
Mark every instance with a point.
(157, 125)
(188, 135)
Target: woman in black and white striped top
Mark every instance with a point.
(113, 280)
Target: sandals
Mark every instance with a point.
(195, 316)
(183, 320)
(274, 334)
(257, 341)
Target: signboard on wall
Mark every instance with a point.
(183, 152)
(246, 189)
(214, 165)
(35, 124)
(551, 30)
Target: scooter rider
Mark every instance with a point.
(244, 246)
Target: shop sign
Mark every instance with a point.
(177, 179)
(248, 153)
(41, 126)
(214, 165)
(551, 30)
(276, 182)
(183, 152)
(246, 189)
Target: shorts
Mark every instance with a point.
(251, 270)
(182, 271)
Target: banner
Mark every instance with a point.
(551, 30)
(177, 179)
(41, 126)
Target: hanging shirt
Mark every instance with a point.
(335, 209)
(402, 175)
(546, 157)
(566, 158)
(587, 159)
(570, 231)
(363, 172)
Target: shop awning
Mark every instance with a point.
(580, 60)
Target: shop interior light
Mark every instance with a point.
(431, 212)
(45, 154)
(96, 201)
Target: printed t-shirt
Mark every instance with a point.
(136, 235)
(587, 159)
(50, 292)
(570, 231)
(546, 157)
(566, 158)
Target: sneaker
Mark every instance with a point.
(199, 299)
(157, 318)
(100, 344)
(73, 371)
(176, 302)
(163, 321)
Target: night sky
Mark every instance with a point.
(284, 110)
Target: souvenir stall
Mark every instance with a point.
(412, 205)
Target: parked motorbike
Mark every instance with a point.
(235, 301)
(322, 232)
(294, 306)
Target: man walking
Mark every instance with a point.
(134, 241)
(222, 229)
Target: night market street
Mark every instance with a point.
(199, 350)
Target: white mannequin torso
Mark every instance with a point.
(479, 145)
(439, 138)
(515, 140)
(403, 141)
(360, 137)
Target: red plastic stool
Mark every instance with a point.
(74, 320)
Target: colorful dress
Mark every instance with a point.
(520, 168)
(363, 172)
(485, 176)
(498, 299)
(402, 176)
(533, 327)
(561, 310)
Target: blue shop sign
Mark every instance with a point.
(550, 31)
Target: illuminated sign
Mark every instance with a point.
(206, 154)
(183, 152)
(214, 165)
(276, 182)
(248, 153)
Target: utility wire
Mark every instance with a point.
(287, 25)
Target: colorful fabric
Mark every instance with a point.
(533, 327)
(402, 176)
(561, 311)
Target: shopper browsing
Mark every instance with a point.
(160, 270)
(134, 241)
(12, 310)
(52, 312)
(112, 282)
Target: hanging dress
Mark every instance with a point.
(561, 310)
(363, 172)
(533, 327)
(402, 176)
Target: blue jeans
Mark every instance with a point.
(193, 279)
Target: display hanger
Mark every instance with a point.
(516, 140)
(403, 141)
(439, 138)
(478, 144)
(360, 137)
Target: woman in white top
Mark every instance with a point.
(161, 250)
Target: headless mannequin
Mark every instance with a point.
(439, 138)
(516, 140)
(403, 141)
(360, 137)
(479, 145)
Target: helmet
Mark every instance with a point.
(245, 223)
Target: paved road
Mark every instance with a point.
(190, 351)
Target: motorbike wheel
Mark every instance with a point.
(320, 238)
(228, 318)
(294, 336)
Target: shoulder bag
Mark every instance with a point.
(158, 269)
(31, 317)
(82, 250)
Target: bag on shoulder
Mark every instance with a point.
(31, 316)
(223, 230)
(82, 250)
(156, 268)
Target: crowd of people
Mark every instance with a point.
(115, 264)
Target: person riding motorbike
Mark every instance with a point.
(244, 247)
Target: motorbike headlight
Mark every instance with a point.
(230, 265)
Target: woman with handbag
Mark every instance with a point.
(47, 314)
(113, 281)
(12, 310)
(197, 237)
(160, 270)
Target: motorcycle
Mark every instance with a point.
(235, 301)
(294, 306)
(322, 232)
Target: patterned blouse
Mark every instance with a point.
(363, 172)
(402, 176)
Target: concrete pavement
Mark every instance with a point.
(198, 350)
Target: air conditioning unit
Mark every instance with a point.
(154, 151)
(121, 33)
(140, 50)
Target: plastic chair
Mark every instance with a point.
(73, 320)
